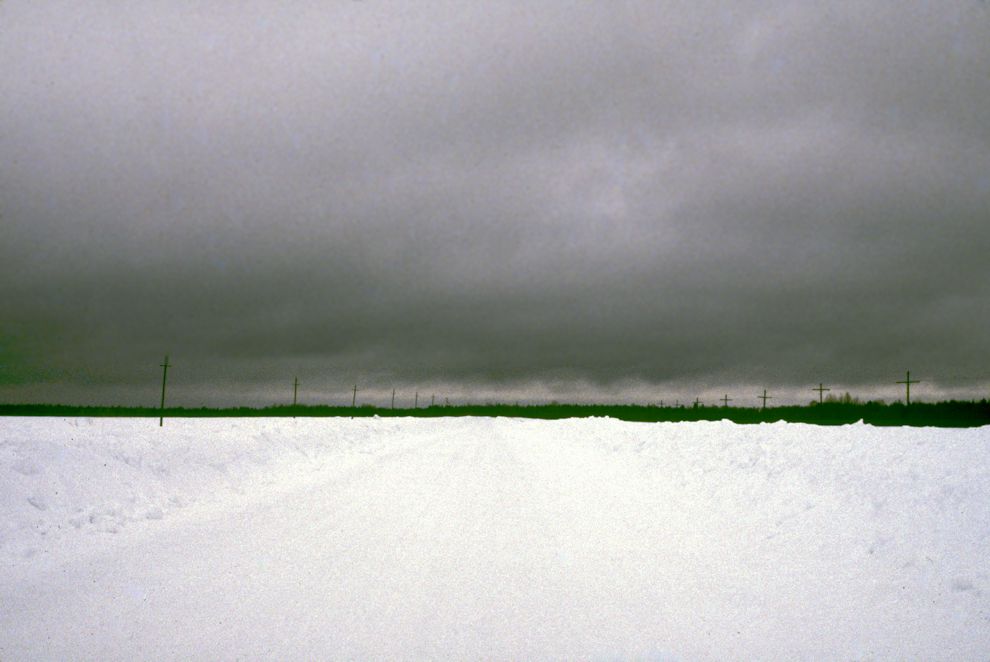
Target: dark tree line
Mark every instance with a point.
(839, 411)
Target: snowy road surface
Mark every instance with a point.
(491, 538)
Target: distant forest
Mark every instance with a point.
(938, 414)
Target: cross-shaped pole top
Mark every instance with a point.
(726, 400)
(907, 384)
(765, 397)
(821, 390)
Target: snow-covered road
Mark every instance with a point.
(491, 538)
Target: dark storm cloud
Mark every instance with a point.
(567, 193)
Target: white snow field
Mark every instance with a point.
(468, 538)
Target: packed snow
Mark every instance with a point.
(466, 538)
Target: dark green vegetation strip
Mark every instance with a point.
(940, 414)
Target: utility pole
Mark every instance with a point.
(907, 383)
(764, 397)
(821, 392)
(726, 400)
(161, 417)
(354, 397)
(393, 398)
(295, 390)
(697, 403)
(416, 401)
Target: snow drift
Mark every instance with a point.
(491, 538)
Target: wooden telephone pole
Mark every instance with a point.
(161, 417)
(726, 400)
(764, 397)
(393, 398)
(295, 390)
(354, 397)
(821, 391)
(907, 383)
(416, 401)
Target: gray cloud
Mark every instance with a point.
(569, 197)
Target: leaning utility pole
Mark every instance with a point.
(726, 400)
(821, 391)
(764, 397)
(295, 390)
(907, 383)
(354, 398)
(161, 417)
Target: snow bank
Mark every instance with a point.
(62, 477)
(491, 538)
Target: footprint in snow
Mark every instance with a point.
(26, 467)
(963, 585)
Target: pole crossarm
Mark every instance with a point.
(907, 381)
(821, 390)
(764, 398)
(726, 400)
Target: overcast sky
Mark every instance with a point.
(580, 200)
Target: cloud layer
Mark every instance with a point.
(492, 197)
